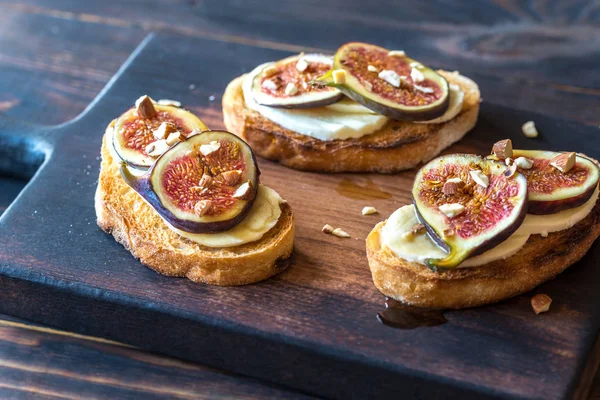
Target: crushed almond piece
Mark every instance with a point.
(416, 75)
(564, 162)
(163, 130)
(157, 148)
(174, 138)
(448, 232)
(523, 163)
(417, 229)
(423, 89)
(327, 228)
(508, 161)
(168, 102)
(144, 107)
(209, 148)
(541, 303)
(205, 181)
(202, 207)
(232, 177)
(339, 76)
(503, 149)
(339, 232)
(244, 192)
(451, 188)
(369, 210)
(397, 53)
(390, 77)
(451, 210)
(529, 129)
(291, 89)
(480, 178)
(301, 65)
(372, 68)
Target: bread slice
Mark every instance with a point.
(398, 145)
(123, 213)
(541, 259)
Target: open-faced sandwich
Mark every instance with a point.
(187, 201)
(481, 230)
(365, 109)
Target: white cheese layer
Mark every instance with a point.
(321, 123)
(396, 234)
(262, 217)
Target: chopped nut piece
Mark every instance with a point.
(202, 207)
(541, 303)
(423, 89)
(205, 181)
(271, 70)
(174, 138)
(419, 65)
(503, 149)
(564, 162)
(451, 210)
(291, 89)
(405, 83)
(339, 76)
(368, 86)
(327, 228)
(244, 192)
(397, 53)
(523, 163)
(448, 232)
(368, 210)
(163, 130)
(511, 171)
(207, 149)
(270, 84)
(480, 178)
(455, 180)
(451, 188)
(144, 107)
(232, 177)
(508, 161)
(372, 68)
(301, 65)
(416, 75)
(155, 149)
(529, 129)
(339, 232)
(417, 229)
(167, 102)
(390, 77)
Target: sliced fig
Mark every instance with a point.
(285, 83)
(550, 189)
(137, 128)
(195, 185)
(485, 210)
(389, 83)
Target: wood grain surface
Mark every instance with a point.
(56, 55)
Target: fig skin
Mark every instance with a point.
(356, 91)
(459, 248)
(552, 206)
(301, 101)
(142, 184)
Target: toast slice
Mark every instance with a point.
(541, 259)
(398, 145)
(124, 214)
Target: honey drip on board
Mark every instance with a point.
(368, 191)
(402, 316)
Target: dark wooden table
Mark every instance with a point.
(56, 55)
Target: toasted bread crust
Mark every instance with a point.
(397, 146)
(539, 260)
(124, 214)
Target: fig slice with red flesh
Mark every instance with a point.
(285, 83)
(195, 185)
(389, 83)
(490, 205)
(133, 133)
(551, 190)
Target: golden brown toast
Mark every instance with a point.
(541, 259)
(123, 213)
(398, 145)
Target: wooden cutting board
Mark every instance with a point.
(314, 326)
